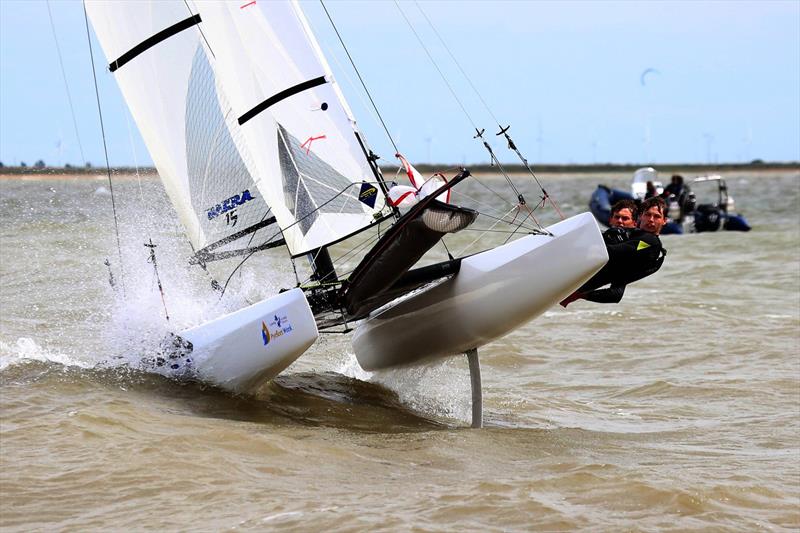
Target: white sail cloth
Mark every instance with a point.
(308, 161)
(184, 119)
(239, 111)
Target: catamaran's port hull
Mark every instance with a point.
(241, 350)
(493, 293)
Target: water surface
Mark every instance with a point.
(676, 410)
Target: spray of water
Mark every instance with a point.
(26, 349)
(436, 390)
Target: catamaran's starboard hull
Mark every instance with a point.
(493, 293)
(241, 350)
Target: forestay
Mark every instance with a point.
(167, 77)
(309, 162)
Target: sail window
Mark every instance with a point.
(219, 185)
(309, 182)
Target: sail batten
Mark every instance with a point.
(258, 128)
(286, 93)
(154, 40)
(307, 162)
(169, 84)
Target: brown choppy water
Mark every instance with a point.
(677, 410)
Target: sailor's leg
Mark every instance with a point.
(475, 383)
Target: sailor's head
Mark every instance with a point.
(651, 215)
(622, 214)
(677, 179)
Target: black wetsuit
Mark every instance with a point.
(632, 255)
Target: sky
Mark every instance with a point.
(722, 81)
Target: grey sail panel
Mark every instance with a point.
(302, 137)
(221, 188)
(168, 80)
(310, 185)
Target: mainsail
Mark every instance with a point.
(241, 114)
(168, 81)
(309, 162)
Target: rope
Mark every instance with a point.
(66, 85)
(479, 237)
(503, 131)
(280, 232)
(105, 149)
(200, 28)
(364, 85)
(479, 131)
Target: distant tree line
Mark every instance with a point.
(41, 166)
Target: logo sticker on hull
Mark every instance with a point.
(265, 333)
(277, 326)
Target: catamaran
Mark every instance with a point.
(257, 148)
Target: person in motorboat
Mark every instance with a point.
(633, 253)
(676, 187)
(651, 190)
(677, 194)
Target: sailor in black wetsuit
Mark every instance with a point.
(633, 253)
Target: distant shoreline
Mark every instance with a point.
(663, 168)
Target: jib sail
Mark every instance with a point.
(307, 159)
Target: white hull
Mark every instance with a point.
(493, 293)
(243, 349)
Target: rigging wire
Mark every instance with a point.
(151, 246)
(66, 85)
(350, 82)
(503, 131)
(503, 231)
(364, 85)
(281, 230)
(529, 215)
(457, 195)
(152, 259)
(510, 223)
(105, 149)
(199, 27)
(479, 237)
(352, 252)
(136, 165)
(460, 104)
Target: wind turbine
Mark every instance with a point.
(643, 82)
(709, 141)
(540, 140)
